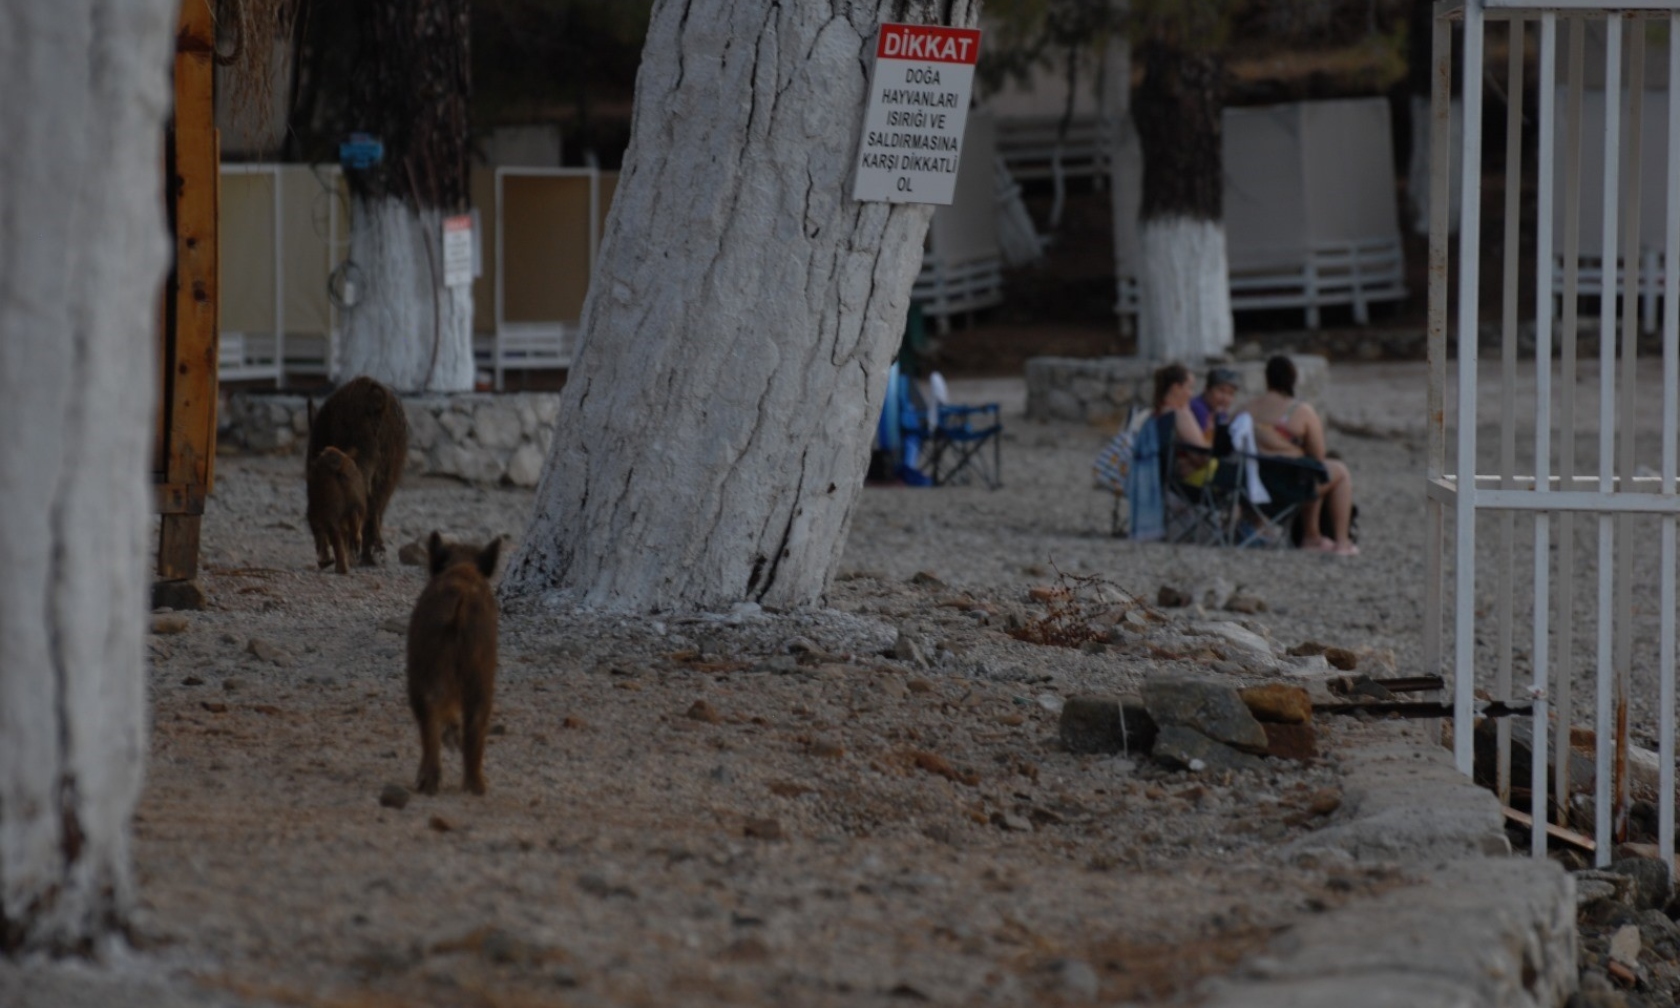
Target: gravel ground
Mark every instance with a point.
(862, 804)
(746, 807)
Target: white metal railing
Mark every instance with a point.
(945, 288)
(1589, 282)
(1614, 494)
(1353, 273)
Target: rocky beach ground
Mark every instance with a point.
(866, 803)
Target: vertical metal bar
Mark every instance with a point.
(279, 278)
(1469, 279)
(1505, 605)
(1606, 433)
(501, 279)
(1564, 688)
(332, 264)
(1440, 223)
(1671, 422)
(1546, 156)
(1632, 158)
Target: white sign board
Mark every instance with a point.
(458, 250)
(918, 106)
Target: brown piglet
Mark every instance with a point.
(365, 420)
(337, 507)
(452, 659)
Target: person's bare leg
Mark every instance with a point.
(1311, 512)
(1341, 506)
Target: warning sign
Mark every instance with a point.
(918, 106)
(458, 250)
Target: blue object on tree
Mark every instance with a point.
(361, 152)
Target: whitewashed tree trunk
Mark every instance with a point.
(715, 430)
(410, 86)
(406, 329)
(82, 253)
(1184, 309)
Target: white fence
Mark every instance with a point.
(1567, 473)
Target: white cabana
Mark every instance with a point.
(962, 267)
(1653, 189)
(1310, 207)
(284, 230)
(1311, 217)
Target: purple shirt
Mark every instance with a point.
(1199, 406)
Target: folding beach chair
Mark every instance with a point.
(961, 435)
(1202, 511)
(1289, 484)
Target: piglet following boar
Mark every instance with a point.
(452, 659)
(365, 421)
(337, 507)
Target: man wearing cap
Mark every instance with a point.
(1212, 407)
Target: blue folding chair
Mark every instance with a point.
(960, 437)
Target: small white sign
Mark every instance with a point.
(918, 106)
(458, 250)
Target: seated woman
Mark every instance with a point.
(1179, 424)
(1284, 425)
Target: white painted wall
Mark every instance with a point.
(406, 329)
(714, 433)
(82, 253)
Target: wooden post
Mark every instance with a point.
(185, 467)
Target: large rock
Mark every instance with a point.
(1240, 642)
(497, 427)
(525, 468)
(1279, 703)
(1212, 708)
(1106, 725)
(1653, 884)
(1189, 749)
(423, 428)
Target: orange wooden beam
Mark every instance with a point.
(188, 402)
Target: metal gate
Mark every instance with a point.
(1567, 472)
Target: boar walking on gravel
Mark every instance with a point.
(452, 659)
(365, 420)
(337, 507)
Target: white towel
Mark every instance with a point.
(1242, 439)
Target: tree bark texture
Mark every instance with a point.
(1185, 299)
(1177, 113)
(82, 255)
(406, 329)
(410, 86)
(714, 433)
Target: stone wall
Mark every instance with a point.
(1100, 390)
(479, 437)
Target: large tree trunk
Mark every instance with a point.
(410, 87)
(714, 433)
(82, 253)
(1185, 298)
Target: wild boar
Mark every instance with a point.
(452, 659)
(365, 421)
(337, 507)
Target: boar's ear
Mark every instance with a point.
(437, 552)
(487, 557)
